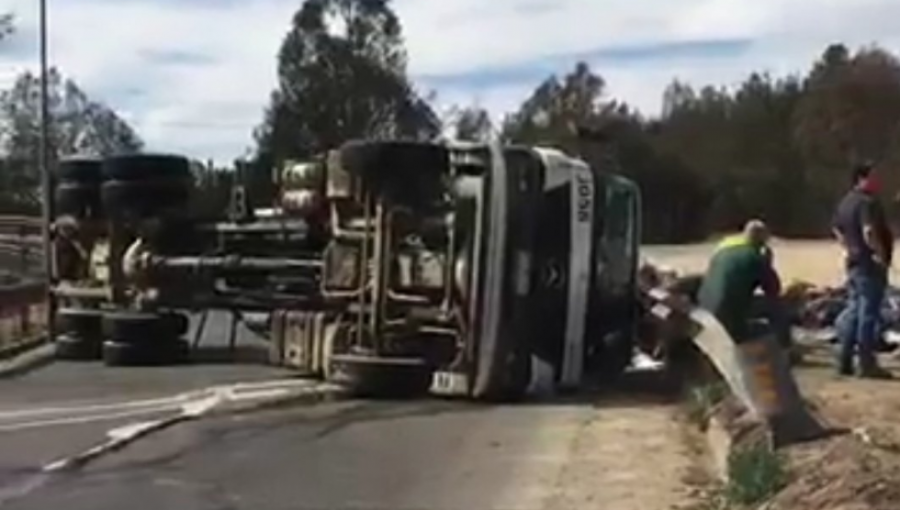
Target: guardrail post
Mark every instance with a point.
(24, 311)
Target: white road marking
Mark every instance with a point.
(120, 437)
(20, 419)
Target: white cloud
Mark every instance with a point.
(208, 105)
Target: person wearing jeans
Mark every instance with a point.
(861, 228)
(860, 330)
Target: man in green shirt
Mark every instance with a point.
(742, 264)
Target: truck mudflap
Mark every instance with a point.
(757, 372)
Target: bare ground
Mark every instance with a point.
(857, 470)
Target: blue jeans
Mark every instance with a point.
(859, 328)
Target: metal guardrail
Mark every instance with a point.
(757, 371)
(22, 316)
(22, 291)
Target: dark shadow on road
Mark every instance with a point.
(241, 354)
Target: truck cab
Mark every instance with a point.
(586, 259)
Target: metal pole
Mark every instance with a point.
(46, 178)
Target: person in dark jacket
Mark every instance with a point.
(861, 228)
(742, 264)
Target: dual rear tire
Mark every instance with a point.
(82, 337)
(122, 338)
(128, 187)
(144, 339)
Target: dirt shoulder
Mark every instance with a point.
(860, 467)
(855, 470)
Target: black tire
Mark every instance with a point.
(381, 377)
(118, 354)
(616, 355)
(80, 169)
(146, 167)
(138, 199)
(518, 377)
(403, 172)
(137, 327)
(175, 323)
(82, 323)
(73, 348)
(79, 200)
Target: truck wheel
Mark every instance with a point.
(381, 377)
(146, 167)
(81, 170)
(78, 199)
(139, 327)
(83, 323)
(176, 323)
(616, 356)
(403, 172)
(73, 348)
(518, 378)
(119, 354)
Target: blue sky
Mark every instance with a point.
(193, 75)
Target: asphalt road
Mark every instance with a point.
(91, 382)
(368, 455)
(605, 451)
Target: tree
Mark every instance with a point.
(849, 112)
(341, 83)
(213, 189)
(560, 111)
(78, 125)
(473, 124)
(554, 111)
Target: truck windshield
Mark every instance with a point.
(620, 234)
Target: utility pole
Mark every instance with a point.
(46, 177)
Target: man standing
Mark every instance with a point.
(861, 228)
(742, 264)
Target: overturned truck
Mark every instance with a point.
(391, 267)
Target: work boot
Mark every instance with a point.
(875, 372)
(843, 371)
(845, 365)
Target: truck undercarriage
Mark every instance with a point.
(392, 267)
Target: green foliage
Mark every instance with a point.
(213, 190)
(473, 124)
(78, 125)
(755, 474)
(773, 148)
(342, 75)
(703, 399)
(776, 148)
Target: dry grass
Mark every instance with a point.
(819, 262)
